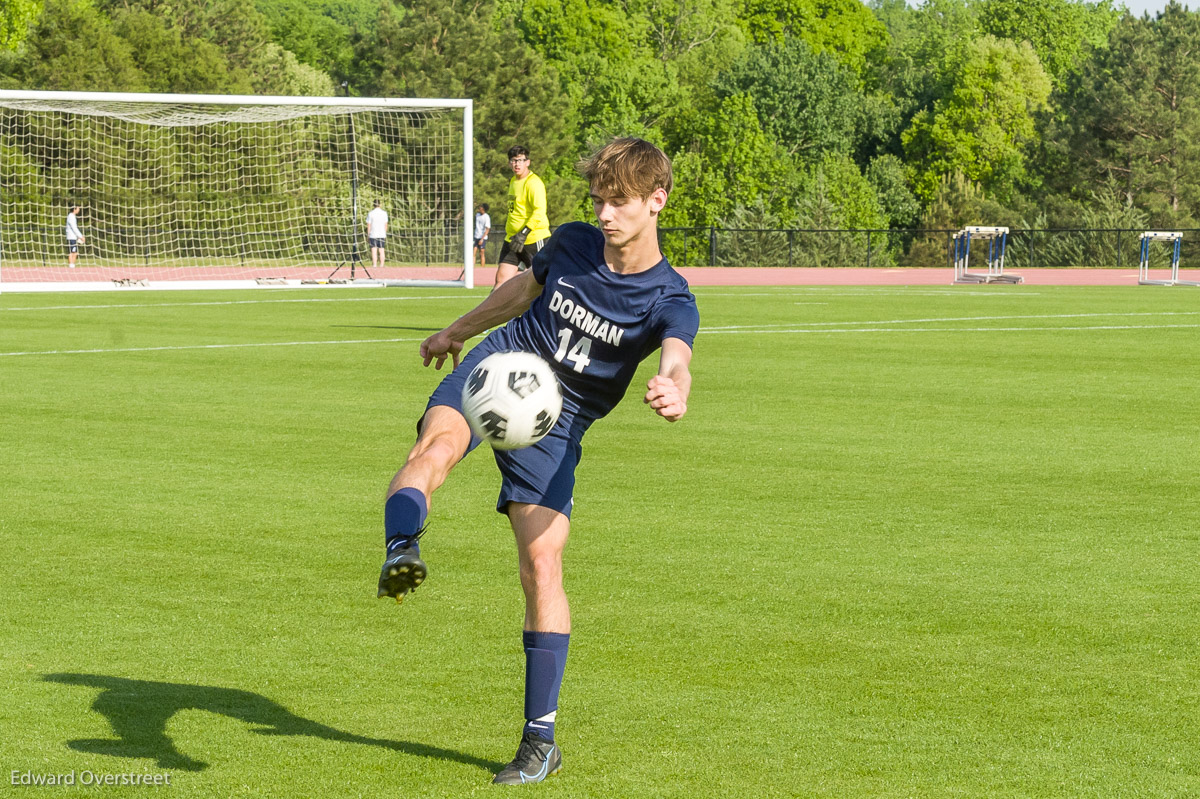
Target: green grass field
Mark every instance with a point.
(909, 542)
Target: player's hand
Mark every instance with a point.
(81, 239)
(439, 347)
(517, 244)
(665, 398)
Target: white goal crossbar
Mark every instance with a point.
(181, 190)
(997, 238)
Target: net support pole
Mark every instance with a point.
(468, 195)
(353, 196)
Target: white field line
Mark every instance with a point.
(215, 346)
(797, 325)
(814, 328)
(946, 329)
(236, 302)
(465, 296)
(702, 294)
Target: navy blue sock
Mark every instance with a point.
(403, 516)
(545, 661)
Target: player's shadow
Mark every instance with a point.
(138, 711)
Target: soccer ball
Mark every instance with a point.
(512, 399)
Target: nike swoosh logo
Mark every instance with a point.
(562, 282)
(540, 774)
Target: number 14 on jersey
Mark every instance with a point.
(577, 356)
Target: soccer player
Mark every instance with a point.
(594, 304)
(528, 225)
(377, 224)
(483, 228)
(74, 237)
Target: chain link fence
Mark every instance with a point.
(1032, 248)
(713, 246)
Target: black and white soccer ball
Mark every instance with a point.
(512, 399)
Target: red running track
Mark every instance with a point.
(856, 276)
(696, 276)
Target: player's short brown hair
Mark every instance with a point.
(628, 167)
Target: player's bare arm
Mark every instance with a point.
(667, 392)
(508, 301)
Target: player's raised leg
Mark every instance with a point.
(541, 535)
(442, 442)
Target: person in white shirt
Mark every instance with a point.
(74, 237)
(483, 227)
(377, 223)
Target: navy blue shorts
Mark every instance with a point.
(377, 243)
(543, 474)
(72, 245)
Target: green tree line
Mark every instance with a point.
(777, 113)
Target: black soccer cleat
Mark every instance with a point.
(402, 572)
(536, 760)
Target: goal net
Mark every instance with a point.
(207, 191)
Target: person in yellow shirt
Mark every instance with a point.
(527, 226)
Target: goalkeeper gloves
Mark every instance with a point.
(517, 244)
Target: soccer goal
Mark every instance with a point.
(996, 238)
(206, 191)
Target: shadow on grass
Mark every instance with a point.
(138, 711)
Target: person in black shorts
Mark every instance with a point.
(527, 226)
(74, 237)
(377, 225)
(483, 228)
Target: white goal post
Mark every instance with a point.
(208, 191)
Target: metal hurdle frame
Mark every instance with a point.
(997, 239)
(1176, 239)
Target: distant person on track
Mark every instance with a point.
(377, 225)
(74, 237)
(528, 225)
(483, 228)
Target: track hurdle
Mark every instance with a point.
(997, 238)
(1175, 239)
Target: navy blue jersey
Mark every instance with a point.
(594, 325)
